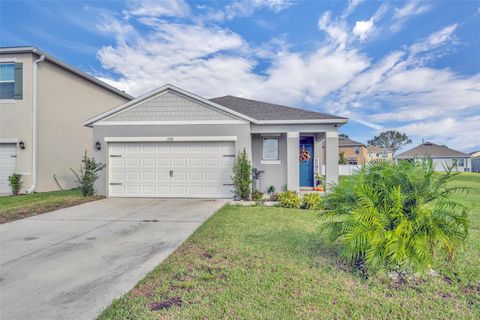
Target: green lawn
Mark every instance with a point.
(272, 263)
(18, 207)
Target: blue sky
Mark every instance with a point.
(410, 66)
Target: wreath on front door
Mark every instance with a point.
(304, 154)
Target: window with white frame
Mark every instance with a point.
(270, 148)
(357, 150)
(7, 80)
(460, 163)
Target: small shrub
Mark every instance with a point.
(312, 201)
(271, 190)
(257, 196)
(15, 182)
(273, 197)
(289, 199)
(242, 176)
(89, 173)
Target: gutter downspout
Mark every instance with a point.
(34, 125)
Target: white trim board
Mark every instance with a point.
(270, 162)
(9, 140)
(300, 121)
(170, 139)
(163, 123)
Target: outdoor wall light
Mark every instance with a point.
(21, 144)
(98, 145)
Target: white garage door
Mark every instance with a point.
(171, 169)
(8, 164)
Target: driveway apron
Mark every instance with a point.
(71, 263)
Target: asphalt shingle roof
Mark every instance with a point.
(432, 150)
(375, 149)
(260, 110)
(346, 142)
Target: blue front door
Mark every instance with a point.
(306, 162)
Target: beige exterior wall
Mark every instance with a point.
(16, 117)
(65, 101)
(349, 152)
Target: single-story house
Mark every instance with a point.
(43, 102)
(441, 155)
(173, 143)
(376, 153)
(475, 160)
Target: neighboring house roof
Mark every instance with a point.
(347, 142)
(431, 150)
(265, 111)
(246, 113)
(375, 149)
(38, 52)
(475, 154)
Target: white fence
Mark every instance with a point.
(345, 169)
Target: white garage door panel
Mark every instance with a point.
(199, 169)
(8, 165)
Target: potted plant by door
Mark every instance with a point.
(319, 183)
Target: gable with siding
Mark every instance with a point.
(170, 106)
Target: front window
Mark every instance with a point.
(460, 163)
(357, 150)
(270, 148)
(7, 80)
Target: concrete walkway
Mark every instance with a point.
(71, 263)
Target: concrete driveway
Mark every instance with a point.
(71, 263)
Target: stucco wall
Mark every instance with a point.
(274, 174)
(241, 131)
(349, 151)
(16, 117)
(441, 163)
(65, 100)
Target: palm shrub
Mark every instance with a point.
(242, 176)
(396, 216)
(88, 174)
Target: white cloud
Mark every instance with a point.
(214, 61)
(148, 8)
(399, 90)
(435, 39)
(365, 28)
(460, 134)
(335, 29)
(245, 8)
(411, 9)
(352, 5)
